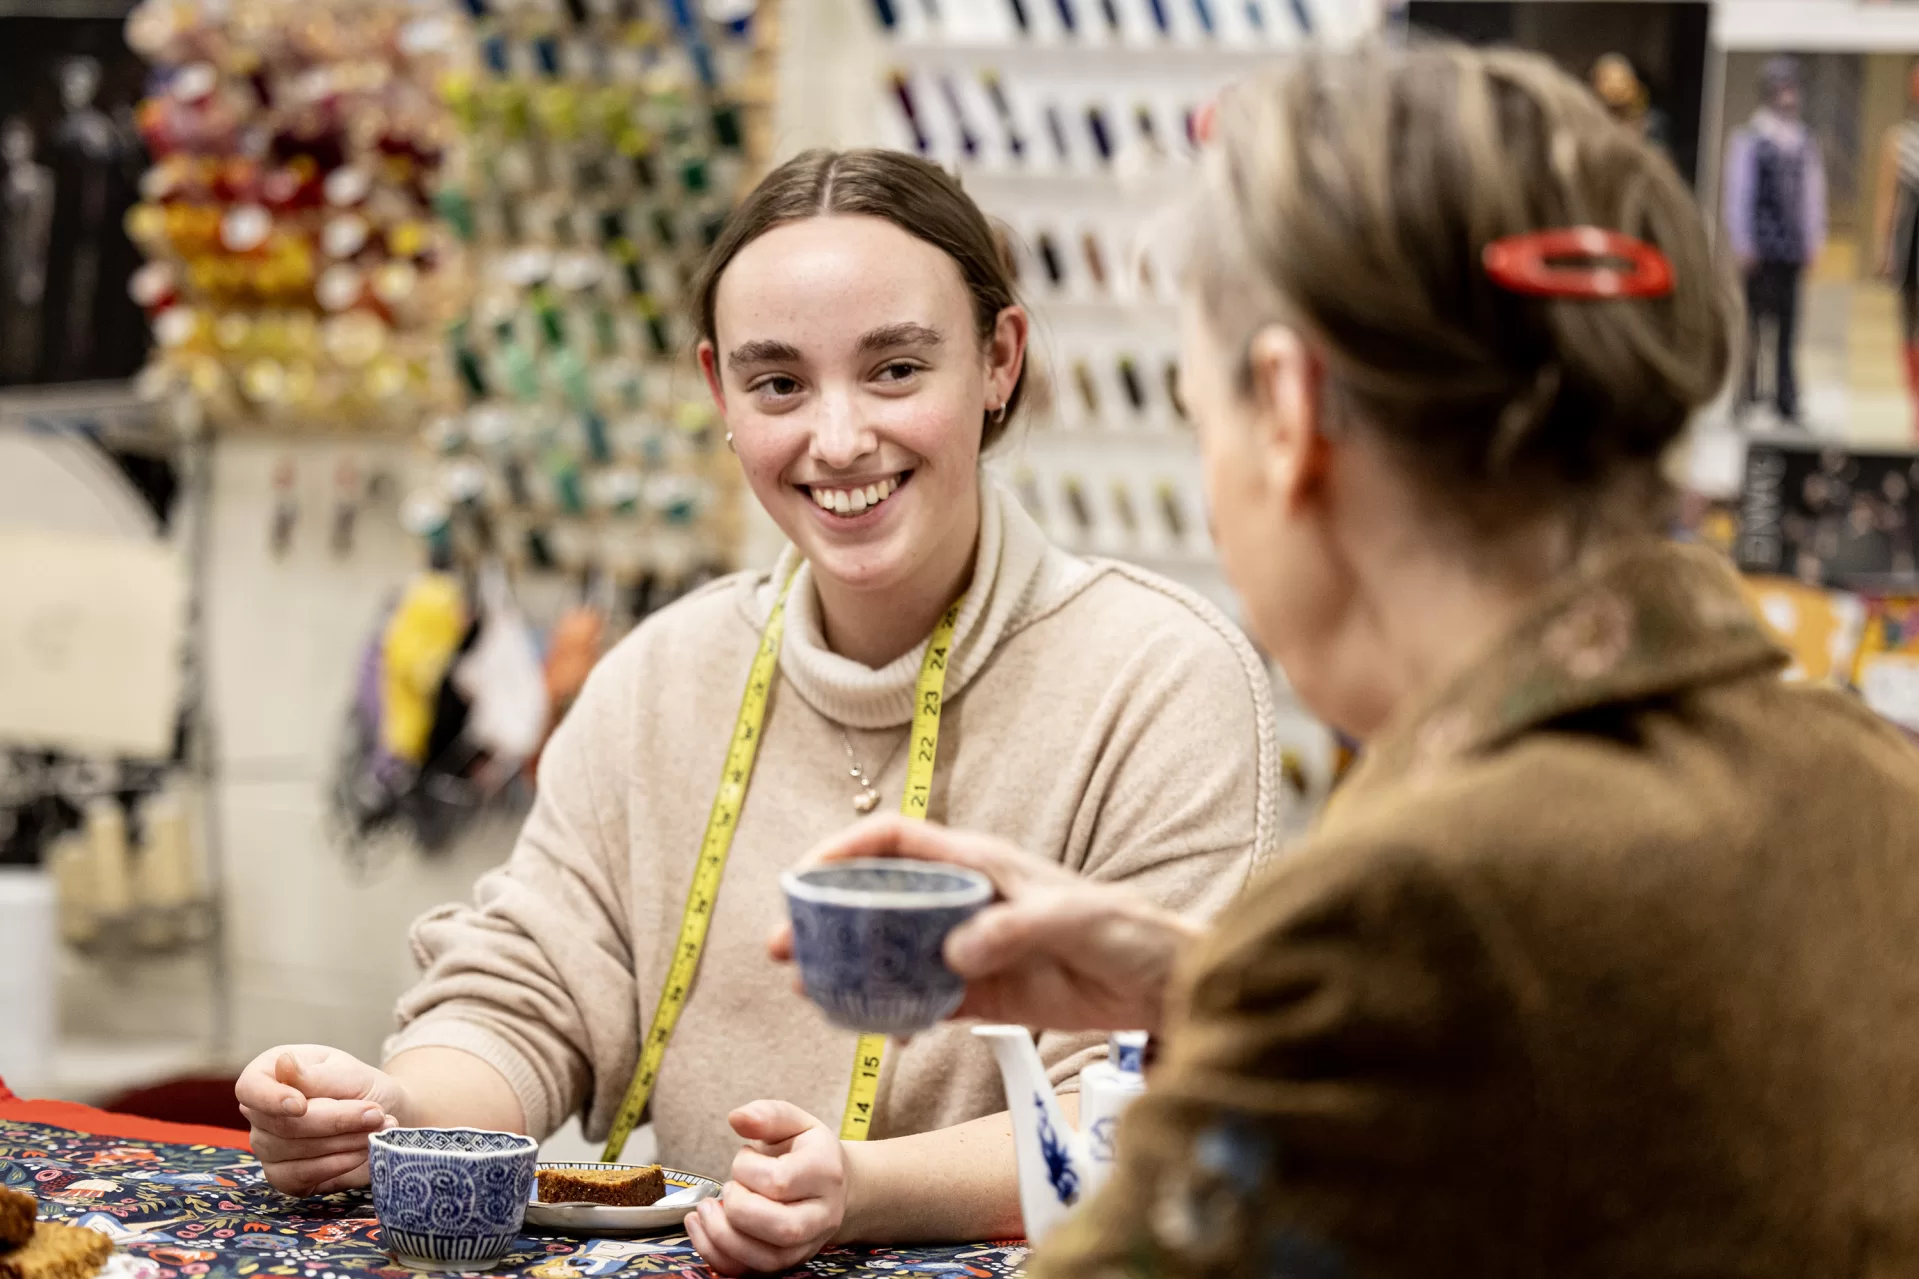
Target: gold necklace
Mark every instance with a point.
(869, 797)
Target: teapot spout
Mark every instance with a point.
(1051, 1159)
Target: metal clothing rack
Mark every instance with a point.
(109, 414)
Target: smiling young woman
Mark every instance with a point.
(862, 337)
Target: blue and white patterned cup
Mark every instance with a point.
(450, 1198)
(867, 936)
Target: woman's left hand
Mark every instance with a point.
(787, 1197)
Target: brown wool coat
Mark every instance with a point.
(1605, 963)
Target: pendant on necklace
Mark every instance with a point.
(865, 802)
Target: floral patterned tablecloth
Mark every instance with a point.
(187, 1211)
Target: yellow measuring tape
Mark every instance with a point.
(718, 841)
(868, 1054)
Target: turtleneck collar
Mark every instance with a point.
(1018, 576)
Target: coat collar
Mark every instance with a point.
(1648, 619)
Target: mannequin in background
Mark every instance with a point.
(91, 161)
(1896, 228)
(26, 218)
(1628, 100)
(120, 349)
(1776, 223)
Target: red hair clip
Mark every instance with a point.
(1578, 262)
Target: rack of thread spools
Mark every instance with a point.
(1072, 122)
(603, 143)
(366, 215)
(1075, 124)
(297, 276)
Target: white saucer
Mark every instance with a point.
(683, 1190)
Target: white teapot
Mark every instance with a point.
(1058, 1166)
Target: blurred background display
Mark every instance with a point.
(348, 410)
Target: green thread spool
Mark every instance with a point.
(567, 487)
(455, 208)
(726, 126)
(552, 324)
(570, 371)
(598, 446)
(522, 375)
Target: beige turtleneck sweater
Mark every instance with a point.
(1093, 713)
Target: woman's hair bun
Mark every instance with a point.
(1352, 195)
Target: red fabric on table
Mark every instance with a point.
(79, 1118)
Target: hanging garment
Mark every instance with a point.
(571, 655)
(367, 781)
(420, 640)
(1779, 229)
(571, 652)
(1901, 252)
(502, 680)
(443, 797)
(1902, 268)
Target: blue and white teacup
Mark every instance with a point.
(867, 936)
(450, 1198)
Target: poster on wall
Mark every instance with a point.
(90, 643)
(1831, 516)
(70, 164)
(1645, 59)
(1818, 202)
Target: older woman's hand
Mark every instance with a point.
(1056, 950)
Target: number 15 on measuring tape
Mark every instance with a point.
(858, 1118)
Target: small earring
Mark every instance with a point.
(999, 415)
(729, 442)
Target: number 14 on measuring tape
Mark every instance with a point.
(857, 1120)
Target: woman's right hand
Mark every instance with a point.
(1056, 950)
(311, 1108)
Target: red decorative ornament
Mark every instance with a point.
(1585, 262)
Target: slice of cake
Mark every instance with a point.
(56, 1252)
(620, 1187)
(17, 1210)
